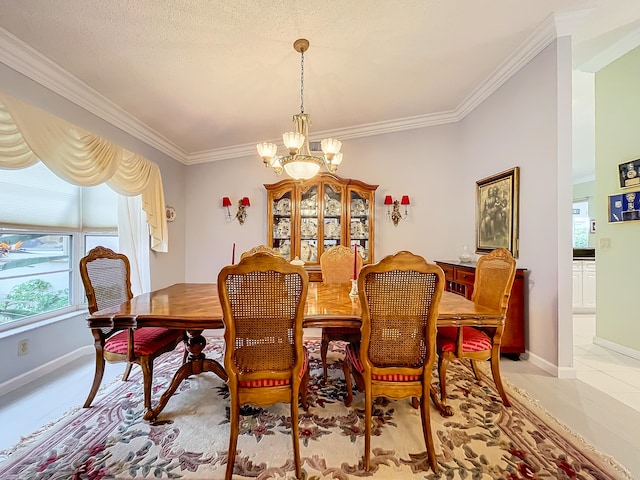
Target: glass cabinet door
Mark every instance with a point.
(309, 224)
(332, 216)
(281, 216)
(359, 216)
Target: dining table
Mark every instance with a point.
(195, 307)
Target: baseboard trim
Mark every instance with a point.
(43, 370)
(616, 347)
(559, 372)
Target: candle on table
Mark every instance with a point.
(355, 261)
(233, 254)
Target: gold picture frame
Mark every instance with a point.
(497, 210)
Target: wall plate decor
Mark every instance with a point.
(629, 173)
(497, 201)
(624, 207)
(170, 212)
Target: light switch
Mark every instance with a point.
(605, 243)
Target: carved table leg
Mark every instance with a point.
(196, 363)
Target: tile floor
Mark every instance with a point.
(602, 405)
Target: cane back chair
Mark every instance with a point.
(263, 300)
(259, 249)
(495, 273)
(400, 296)
(106, 278)
(336, 265)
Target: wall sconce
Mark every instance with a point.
(394, 212)
(241, 214)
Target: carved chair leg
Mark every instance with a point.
(304, 387)
(324, 348)
(425, 414)
(295, 436)
(368, 407)
(348, 399)
(234, 427)
(127, 371)
(495, 371)
(146, 363)
(97, 377)
(476, 370)
(443, 363)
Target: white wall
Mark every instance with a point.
(419, 163)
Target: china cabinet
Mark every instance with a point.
(306, 218)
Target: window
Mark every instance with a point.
(47, 225)
(581, 224)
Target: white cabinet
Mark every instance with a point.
(577, 284)
(584, 285)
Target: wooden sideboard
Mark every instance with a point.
(460, 278)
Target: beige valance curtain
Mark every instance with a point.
(29, 135)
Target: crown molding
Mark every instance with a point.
(22, 58)
(612, 53)
(358, 131)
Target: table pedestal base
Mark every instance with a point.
(196, 363)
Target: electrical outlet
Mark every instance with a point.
(23, 347)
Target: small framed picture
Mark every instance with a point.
(497, 200)
(629, 173)
(592, 226)
(624, 207)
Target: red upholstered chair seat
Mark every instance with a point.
(266, 382)
(473, 340)
(146, 341)
(353, 356)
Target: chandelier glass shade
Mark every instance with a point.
(299, 162)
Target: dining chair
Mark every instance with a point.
(263, 299)
(494, 276)
(259, 249)
(336, 265)
(399, 296)
(106, 278)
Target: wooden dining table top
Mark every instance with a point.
(196, 306)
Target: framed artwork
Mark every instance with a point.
(629, 173)
(497, 200)
(624, 207)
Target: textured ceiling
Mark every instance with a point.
(206, 79)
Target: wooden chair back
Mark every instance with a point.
(263, 305)
(260, 249)
(336, 264)
(106, 278)
(495, 273)
(399, 297)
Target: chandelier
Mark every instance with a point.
(300, 163)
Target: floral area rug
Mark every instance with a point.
(483, 440)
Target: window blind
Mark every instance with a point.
(36, 197)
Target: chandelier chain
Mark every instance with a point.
(302, 82)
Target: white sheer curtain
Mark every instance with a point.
(29, 135)
(133, 237)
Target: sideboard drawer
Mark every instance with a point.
(466, 276)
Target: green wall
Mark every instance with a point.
(618, 252)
